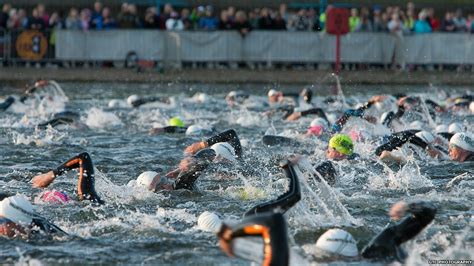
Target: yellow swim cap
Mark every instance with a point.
(342, 143)
(176, 122)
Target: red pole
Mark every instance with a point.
(338, 53)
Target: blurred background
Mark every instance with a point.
(156, 35)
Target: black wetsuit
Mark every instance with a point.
(142, 101)
(399, 139)
(359, 112)
(63, 118)
(285, 201)
(204, 158)
(271, 227)
(7, 103)
(86, 183)
(391, 116)
(387, 243)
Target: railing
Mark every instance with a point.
(230, 46)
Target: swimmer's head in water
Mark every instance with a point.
(194, 130)
(455, 128)
(274, 96)
(471, 107)
(224, 151)
(209, 222)
(461, 146)
(132, 98)
(55, 197)
(342, 144)
(426, 136)
(317, 127)
(307, 95)
(337, 242)
(176, 122)
(17, 209)
(441, 129)
(152, 181)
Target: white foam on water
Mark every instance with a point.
(99, 119)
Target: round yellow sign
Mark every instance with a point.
(31, 45)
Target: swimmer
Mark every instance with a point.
(135, 101)
(461, 148)
(422, 139)
(341, 147)
(18, 218)
(86, 182)
(335, 244)
(318, 127)
(63, 118)
(234, 98)
(175, 125)
(223, 148)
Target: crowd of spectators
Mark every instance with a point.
(100, 17)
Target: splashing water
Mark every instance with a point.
(96, 118)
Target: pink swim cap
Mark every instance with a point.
(315, 130)
(55, 197)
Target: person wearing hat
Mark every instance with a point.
(136, 101)
(86, 183)
(422, 139)
(175, 125)
(341, 147)
(223, 148)
(461, 147)
(18, 218)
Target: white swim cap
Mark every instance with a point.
(442, 129)
(232, 94)
(383, 116)
(425, 136)
(319, 122)
(145, 179)
(338, 242)
(201, 97)
(455, 128)
(224, 150)
(194, 130)
(463, 141)
(272, 92)
(209, 222)
(17, 209)
(471, 107)
(132, 98)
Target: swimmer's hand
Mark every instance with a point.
(195, 147)
(387, 156)
(43, 180)
(186, 163)
(225, 238)
(294, 116)
(398, 210)
(377, 98)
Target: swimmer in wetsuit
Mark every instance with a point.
(461, 148)
(223, 148)
(18, 218)
(135, 101)
(422, 139)
(86, 182)
(62, 118)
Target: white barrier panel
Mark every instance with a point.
(263, 46)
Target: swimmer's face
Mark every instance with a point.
(456, 153)
(334, 155)
(275, 98)
(161, 183)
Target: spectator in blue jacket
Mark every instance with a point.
(208, 22)
(422, 25)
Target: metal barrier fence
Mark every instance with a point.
(230, 46)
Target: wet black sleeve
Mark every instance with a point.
(391, 116)
(315, 111)
(143, 101)
(186, 180)
(446, 135)
(229, 136)
(359, 112)
(284, 202)
(175, 129)
(287, 110)
(395, 140)
(387, 242)
(56, 122)
(272, 228)
(7, 103)
(86, 186)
